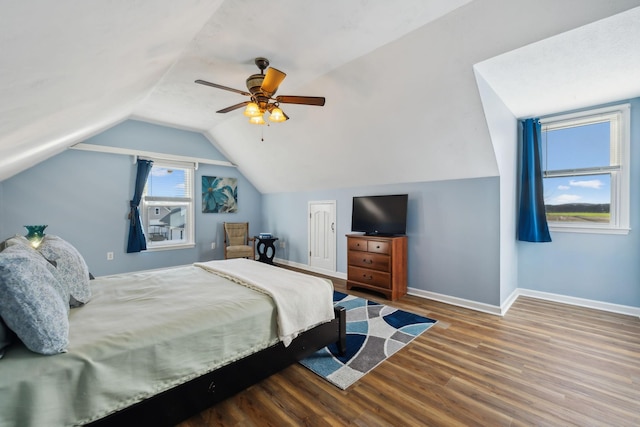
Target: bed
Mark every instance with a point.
(155, 347)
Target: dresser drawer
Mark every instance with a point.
(370, 277)
(369, 260)
(378, 246)
(357, 244)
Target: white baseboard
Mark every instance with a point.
(506, 305)
(489, 308)
(581, 302)
(459, 302)
(500, 310)
(322, 271)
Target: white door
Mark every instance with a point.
(322, 235)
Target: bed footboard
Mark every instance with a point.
(179, 403)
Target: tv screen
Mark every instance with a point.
(380, 215)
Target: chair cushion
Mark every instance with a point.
(239, 251)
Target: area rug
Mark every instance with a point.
(374, 332)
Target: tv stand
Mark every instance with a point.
(377, 263)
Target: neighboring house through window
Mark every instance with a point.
(585, 162)
(167, 209)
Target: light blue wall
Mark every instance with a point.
(452, 227)
(503, 128)
(593, 266)
(84, 198)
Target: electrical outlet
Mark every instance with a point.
(282, 244)
(109, 256)
(213, 245)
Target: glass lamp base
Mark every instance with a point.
(35, 234)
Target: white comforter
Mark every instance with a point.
(302, 301)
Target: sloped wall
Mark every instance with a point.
(84, 198)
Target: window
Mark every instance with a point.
(586, 171)
(167, 206)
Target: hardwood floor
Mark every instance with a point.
(542, 364)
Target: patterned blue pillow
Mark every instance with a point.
(33, 304)
(71, 269)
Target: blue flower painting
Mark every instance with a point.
(219, 195)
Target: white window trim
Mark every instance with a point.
(190, 228)
(620, 193)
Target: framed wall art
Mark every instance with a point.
(219, 195)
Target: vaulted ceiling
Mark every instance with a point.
(402, 104)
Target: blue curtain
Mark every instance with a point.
(137, 241)
(532, 220)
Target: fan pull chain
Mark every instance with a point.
(262, 132)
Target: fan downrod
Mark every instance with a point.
(262, 63)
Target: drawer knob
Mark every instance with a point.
(367, 261)
(367, 277)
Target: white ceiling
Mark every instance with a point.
(593, 64)
(402, 105)
(305, 39)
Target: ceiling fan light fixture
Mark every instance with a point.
(252, 110)
(277, 115)
(262, 88)
(257, 120)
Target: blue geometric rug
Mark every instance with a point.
(374, 332)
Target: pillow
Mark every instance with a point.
(15, 240)
(71, 269)
(5, 337)
(33, 304)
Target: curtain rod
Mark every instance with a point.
(137, 153)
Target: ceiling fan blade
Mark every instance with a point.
(272, 80)
(305, 100)
(206, 83)
(233, 107)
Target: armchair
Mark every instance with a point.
(237, 243)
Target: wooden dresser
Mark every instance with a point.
(377, 263)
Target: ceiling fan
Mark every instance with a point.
(261, 88)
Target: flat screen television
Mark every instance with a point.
(380, 215)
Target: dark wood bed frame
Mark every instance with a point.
(183, 401)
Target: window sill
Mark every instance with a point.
(590, 230)
(169, 247)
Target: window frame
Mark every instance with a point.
(147, 202)
(619, 145)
